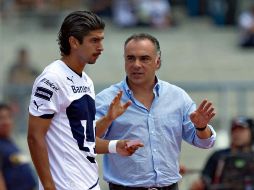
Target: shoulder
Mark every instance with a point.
(166, 87)
(221, 153)
(166, 84)
(111, 90)
(56, 68)
(49, 83)
(106, 96)
(53, 73)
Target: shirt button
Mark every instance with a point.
(152, 132)
(154, 150)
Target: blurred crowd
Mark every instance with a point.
(132, 13)
(20, 77)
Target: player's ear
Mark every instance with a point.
(73, 42)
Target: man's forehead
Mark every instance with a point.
(139, 52)
(96, 33)
(144, 46)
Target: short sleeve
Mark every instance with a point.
(45, 96)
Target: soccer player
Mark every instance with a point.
(61, 134)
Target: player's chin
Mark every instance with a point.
(94, 58)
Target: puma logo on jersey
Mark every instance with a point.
(70, 79)
(37, 106)
(80, 89)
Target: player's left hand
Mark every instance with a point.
(123, 149)
(116, 108)
(202, 116)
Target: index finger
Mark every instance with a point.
(117, 97)
(133, 143)
(202, 105)
(127, 104)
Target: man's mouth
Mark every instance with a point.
(96, 54)
(137, 73)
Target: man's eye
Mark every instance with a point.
(145, 59)
(130, 58)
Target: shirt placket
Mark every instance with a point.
(154, 140)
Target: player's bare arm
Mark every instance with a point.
(116, 109)
(201, 117)
(37, 129)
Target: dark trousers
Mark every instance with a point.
(120, 187)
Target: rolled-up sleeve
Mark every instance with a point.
(205, 143)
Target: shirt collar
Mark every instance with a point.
(156, 88)
(129, 92)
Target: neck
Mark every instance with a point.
(74, 64)
(143, 93)
(141, 88)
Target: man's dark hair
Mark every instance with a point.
(144, 36)
(77, 24)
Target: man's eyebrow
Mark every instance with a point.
(97, 37)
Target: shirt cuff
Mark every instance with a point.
(206, 143)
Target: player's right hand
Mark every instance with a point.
(128, 147)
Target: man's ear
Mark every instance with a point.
(158, 62)
(74, 43)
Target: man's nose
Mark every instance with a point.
(100, 47)
(137, 63)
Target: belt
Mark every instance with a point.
(173, 186)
